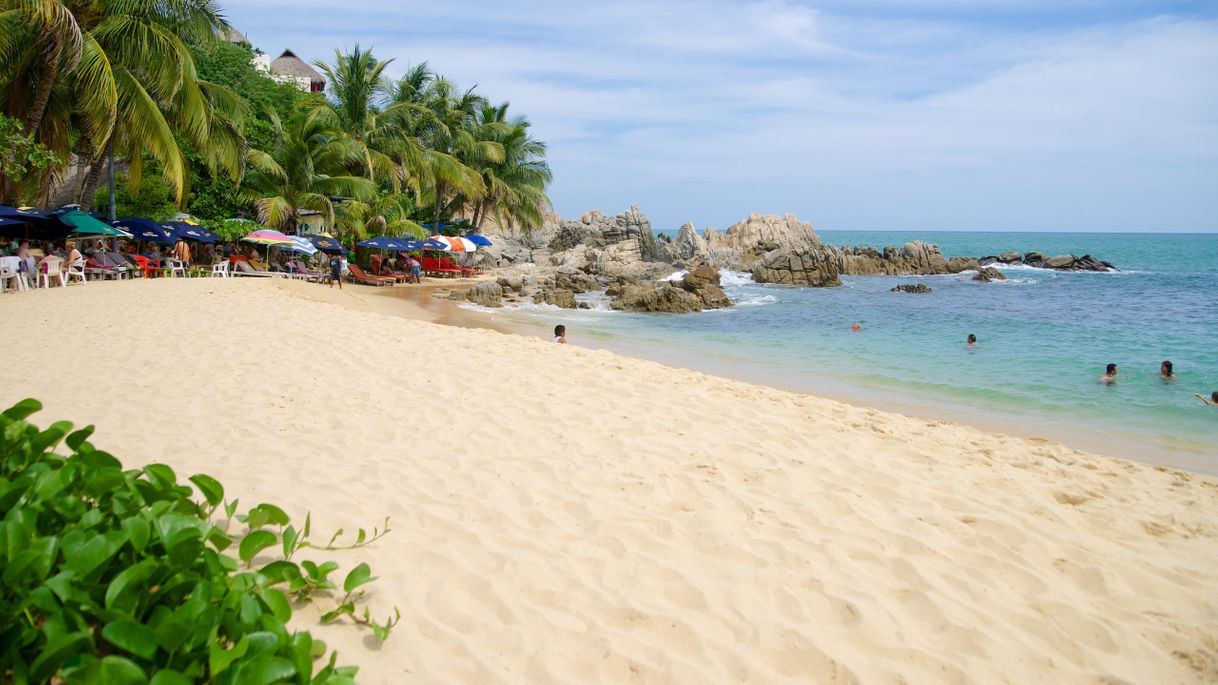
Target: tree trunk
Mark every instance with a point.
(92, 181)
(33, 118)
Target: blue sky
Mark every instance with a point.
(868, 114)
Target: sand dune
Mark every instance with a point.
(569, 515)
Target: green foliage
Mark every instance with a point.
(227, 229)
(118, 576)
(153, 199)
(20, 156)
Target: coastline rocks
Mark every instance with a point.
(986, 274)
(651, 298)
(564, 299)
(811, 267)
(688, 247)
(1038, 260)
(703, 281)
(919, 288)
(486, 293)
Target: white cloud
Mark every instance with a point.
(707, 109)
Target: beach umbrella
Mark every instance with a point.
(270, 238)
(148, 230)
(328, 244)
(35, 224)
(454, 244)
(190, 231)
(385, 242)
(479, 240)
(83, 224)
(301, 245)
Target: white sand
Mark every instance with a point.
(568, 515)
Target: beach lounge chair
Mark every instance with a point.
(243, 268)
(379, 269)
(433, 267)
(358, 275)
(111, 264)
(464, 271)
(302, 270)
(96, 267)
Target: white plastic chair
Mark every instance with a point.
(176, 267)
(10, 271)
(219, 270)
(75, 270)
(48, 269)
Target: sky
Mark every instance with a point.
(1054, 115)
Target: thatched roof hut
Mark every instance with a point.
(289, 67)
(232, 35)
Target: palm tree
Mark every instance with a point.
(118, 75)
(306, 170)
(384, 215)
(516, 185)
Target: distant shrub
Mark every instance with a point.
(118, 576)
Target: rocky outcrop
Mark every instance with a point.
(703, 281)
(559, 298)
(698, 290)
(919, 288)
(815, 267)
(1067, 262)
(986, 274)
(689, 247)
(665, 297)
(486, 293)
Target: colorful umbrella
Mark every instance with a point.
(454, 244)
(385, 242)
(267, 236)
(479, 240)
(301, 245)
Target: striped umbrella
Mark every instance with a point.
(302, 245)
(271, 239)
(455, 244)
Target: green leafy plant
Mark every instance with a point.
(112, 575)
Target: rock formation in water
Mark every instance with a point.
(919, 288)
(699, 290)
(988, 273)
(621, 253)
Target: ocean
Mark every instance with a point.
(1045, 338)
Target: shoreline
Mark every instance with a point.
(565, 514)
(417, 303)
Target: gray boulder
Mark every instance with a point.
(652, 298)
(486, 293)
(911, 288)
(559, 298)
(816, 267)
(988, 273)
(703, 281)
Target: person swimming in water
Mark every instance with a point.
(1166, 373)
(972, 340)
(1110, 374)
(1212, 401)
(856, 327)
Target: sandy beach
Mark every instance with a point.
(569, 515)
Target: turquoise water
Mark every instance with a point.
(1045, 337)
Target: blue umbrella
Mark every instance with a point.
(147, 229)
(479, 240)
(189, 231)
(328, 244)
(385, 242)
(429, 244)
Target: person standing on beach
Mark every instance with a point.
(1109, 374)
(560, 334)
(336, 271)
(972, 340)
(181, 252)
(1166, 373)
(1212, 401)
